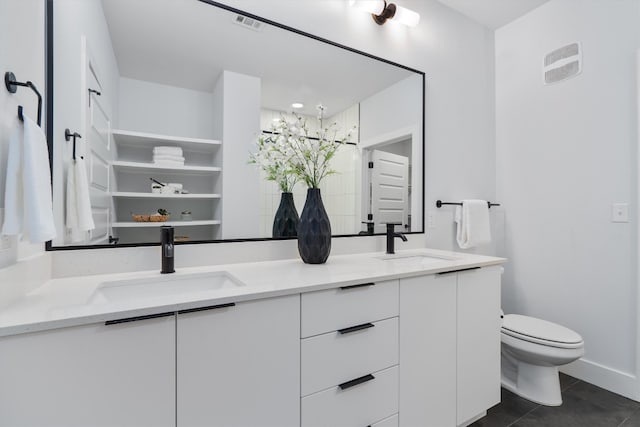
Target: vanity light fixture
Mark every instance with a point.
(297, 105)
(382, 11)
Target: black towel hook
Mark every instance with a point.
(67, 137)
(12, 86)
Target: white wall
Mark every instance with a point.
(21, 51)
(73, 21)
(565, 153)
(240, 129)
(166, 110)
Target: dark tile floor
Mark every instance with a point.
(584, 405)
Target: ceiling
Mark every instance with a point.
(493, 13)
(187, 43)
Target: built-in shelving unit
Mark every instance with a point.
(200, 175)
(133, 224)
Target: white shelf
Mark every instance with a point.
(133, 224)
(141, 167)
(137, 139)
(131, 195)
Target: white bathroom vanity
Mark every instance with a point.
(406, 340)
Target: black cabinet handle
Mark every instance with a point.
(457, 271)
(355, 382)
(356, 328)
(137, 318)
(210, 307)
(357, 286)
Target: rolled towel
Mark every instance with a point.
(27, 202)
(472, 219)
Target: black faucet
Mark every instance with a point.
(391, 235)
(166, 244)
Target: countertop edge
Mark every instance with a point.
(256, 293)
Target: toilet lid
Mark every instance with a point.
(538, 329)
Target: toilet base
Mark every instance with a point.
(539, 384)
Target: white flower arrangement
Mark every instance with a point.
(291, 153)
(274, 157)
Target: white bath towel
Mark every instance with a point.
(27, 200)
(79, 216)
(472, 219)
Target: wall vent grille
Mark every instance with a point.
(562, 64)
(247, 22)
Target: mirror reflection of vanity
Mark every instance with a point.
(132, 76)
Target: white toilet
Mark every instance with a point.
(532, 350)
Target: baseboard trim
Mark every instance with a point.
(616, 381)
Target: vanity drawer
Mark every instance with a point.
(360, 405)
(336, 357)
(333, 309)
(392, 421)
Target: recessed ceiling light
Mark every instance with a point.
(297, 105)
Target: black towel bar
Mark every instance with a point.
(440, 203)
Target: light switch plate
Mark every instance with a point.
(620, 212)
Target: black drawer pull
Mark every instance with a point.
(135, 319)
(457, 271)
(357, 381)
(357, 286)
(356, 328)
(210, 307)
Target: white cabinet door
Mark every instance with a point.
(240, 365)
(427, 351)
(478, 380)
(94, 375)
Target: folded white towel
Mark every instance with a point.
(168, 150)
(79, 216)
(167, 157)
(27, 201)
(472, 219)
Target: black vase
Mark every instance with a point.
(314, 231)
(285, 222)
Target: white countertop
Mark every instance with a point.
(72, 301)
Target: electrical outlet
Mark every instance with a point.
(5, 243)
(431, 220)
(620, 212)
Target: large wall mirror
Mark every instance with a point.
(131, 76)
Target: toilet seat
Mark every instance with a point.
(540, 331)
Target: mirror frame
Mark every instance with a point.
(49, 24)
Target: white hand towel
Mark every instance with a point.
(79, 216)
(472, 219)
(28, 205)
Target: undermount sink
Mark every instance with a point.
(163, 286)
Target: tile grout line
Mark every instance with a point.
(628, 418)
(523, 415)
(530, 411)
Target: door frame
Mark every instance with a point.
(415, 178)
